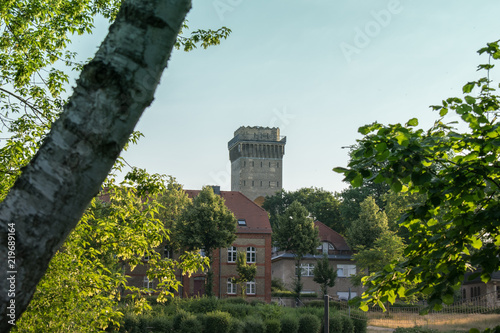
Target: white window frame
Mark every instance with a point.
(231, 254)
(146, 283)
(306, 269)
(251, 255)
(231, 286)
(250, 287)
(346, 270)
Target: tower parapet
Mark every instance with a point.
(256, 155)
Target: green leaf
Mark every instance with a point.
(468, 87)
(470, 99)
(476, 243)
(340, 170)
(443, 112)
(412, 122)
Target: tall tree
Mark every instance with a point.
(369, 226)
(295, 233)
(455, 229)
(51, 194)
(324, 274)
(206, 224)
(95, 123)
(246, 272)
(321, 204)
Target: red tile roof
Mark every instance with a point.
(257, 220)
(328, 234)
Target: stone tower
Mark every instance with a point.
(256, 155)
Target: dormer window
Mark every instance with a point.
(242, 222)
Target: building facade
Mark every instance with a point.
(256, 155)
(339, 255)
(253, 238)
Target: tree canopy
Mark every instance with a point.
(206, 224)
(295, 232)
(53, 190)
(455, 229)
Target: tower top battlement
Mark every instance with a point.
(256, 133)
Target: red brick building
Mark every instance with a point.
(253, 237)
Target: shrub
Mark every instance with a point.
(203, 304)
(359, 320)
(179, 317)
(234, 300)
(236, 325)
(217, 322)
(273, 325)
(236, 310)
(161, 324)
(130, 323)
(347, 325)
(254, 325)
(277, 285)
(335, 323)
(289, 324)
(309, 323)
(190, 324)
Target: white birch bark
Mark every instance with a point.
(53, 191)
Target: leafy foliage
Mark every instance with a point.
(118, 229)
(324, 275)
(456, 227)
(246, 272)
(369, 226)
(322, 205)
(295, 233)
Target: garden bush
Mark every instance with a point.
(237, 310)
(236, 325)
(203, 304)
(190, 324)
(309, 323)
(273, 325)
(289, 324)
(179, 317)
(336, 323)
(359, 320)
(234, 300)
(347, 325)
(161, 324)
(217, 322)
(254, 325)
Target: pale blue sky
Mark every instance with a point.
(318, 69)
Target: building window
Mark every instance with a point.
(253, 163)
(146, 256)
(346, 270)
(325, 247)
(250, 288)
(344, 295)
(231, 286)
(242, 222)
(167, 252)
(244, 163)
(261, 164)
(261, 183)
(251, 254)
(277, 184)
(306, 269)
(244, 183)
(146, 283)
(231, 254)
(464, 294)
(277, 164)
(498, 292)
(252, 183)
(269, 164)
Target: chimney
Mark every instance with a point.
(216, 189)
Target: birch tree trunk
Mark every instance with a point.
(50, 196)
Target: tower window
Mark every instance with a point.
(252, 183)
(277, 164)
(253, 163)
(261, 164)
(269, 164)
(261, 183)
(277, 184)
(244, 163)
(244, 183)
